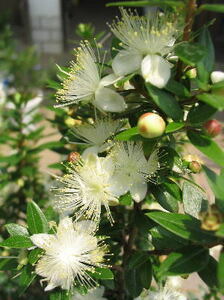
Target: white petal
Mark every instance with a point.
(109, 79)
(108, 100)
(156, 70)
(119, 184)
(138, 191)
(65, 225)
(42, 240)
(50, 287)
(217, 76)
(126, 62)
(93, 149)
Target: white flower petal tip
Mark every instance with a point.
(126, 62)
(217, 76)
(108, 100)
(138, 191)
(93, 294)
(156, 70)
(109, 80)
(41, 240)
(70, 255)
(166, 293)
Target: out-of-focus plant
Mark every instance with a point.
(127, 187)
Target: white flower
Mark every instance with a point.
(87, 187)
(132, 169)
(84, 83)
(163, 294)
(96, 135)
(94, 294)
(145, 42)
(70, 254)
(217, 76)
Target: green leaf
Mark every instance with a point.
(205, 66)
(163, 239)
(37, 223)
(143, 3)
(207, 146)
(15, 229)
(220, 231)
(209, 273)
(137, 259)
(34, 255)
(190, 53)
(220, 272)
(26, 278)
(48, 145)
(133, 282)
(201, 113)
(17, 241)
(193, 199)
(127, 134)
(60, 295)
(174, 126)
(212, 7)
(103, 273)
(216, 183)
(125, 199)
(177, 88)
(215, 101)
(166, 102)
(184, 226)
(164, 196)
(145, 273)
(185, 261)
(13, 159)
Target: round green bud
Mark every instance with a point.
(151, 125)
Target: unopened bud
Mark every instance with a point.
(212, 128)
(162, 258)
(217, 76)
(195, 167)
(192, 73)
(151, 125)
(73, 157)
(212, 219)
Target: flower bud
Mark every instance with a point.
(195, 166)
(151, 125)
(192, 73)
(217, 76)
(212, 219)
(212, 128)
(162, 258)
(73, 157)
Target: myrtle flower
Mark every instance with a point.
(70, 254)
(163, 294)
(145, 42)
(132, 169)
(217, 76)
(94, 294)
(97, 135)
(84, 83)
(87, 187)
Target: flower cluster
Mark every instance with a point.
(107, 168)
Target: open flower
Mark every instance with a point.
(87, 187)
(145, 42)
(97, 135)
(84, 83)
(163, 294)
(94, 294)
(132, 169)
(70, 254)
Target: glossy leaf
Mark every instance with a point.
(190, 53)
(177, 88)
(207, 146)
(200, 113)
(212, 7)
(209, 273)
(221, 272)
(174, 126)
(15, 229)
(17, 241)
(103, 273)
(186, 261)
(184, 226)
(127, 134)
(26, 278)
(215, 101)
(166, 102)
(194, 199)
(37, 223)
(143, 3)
